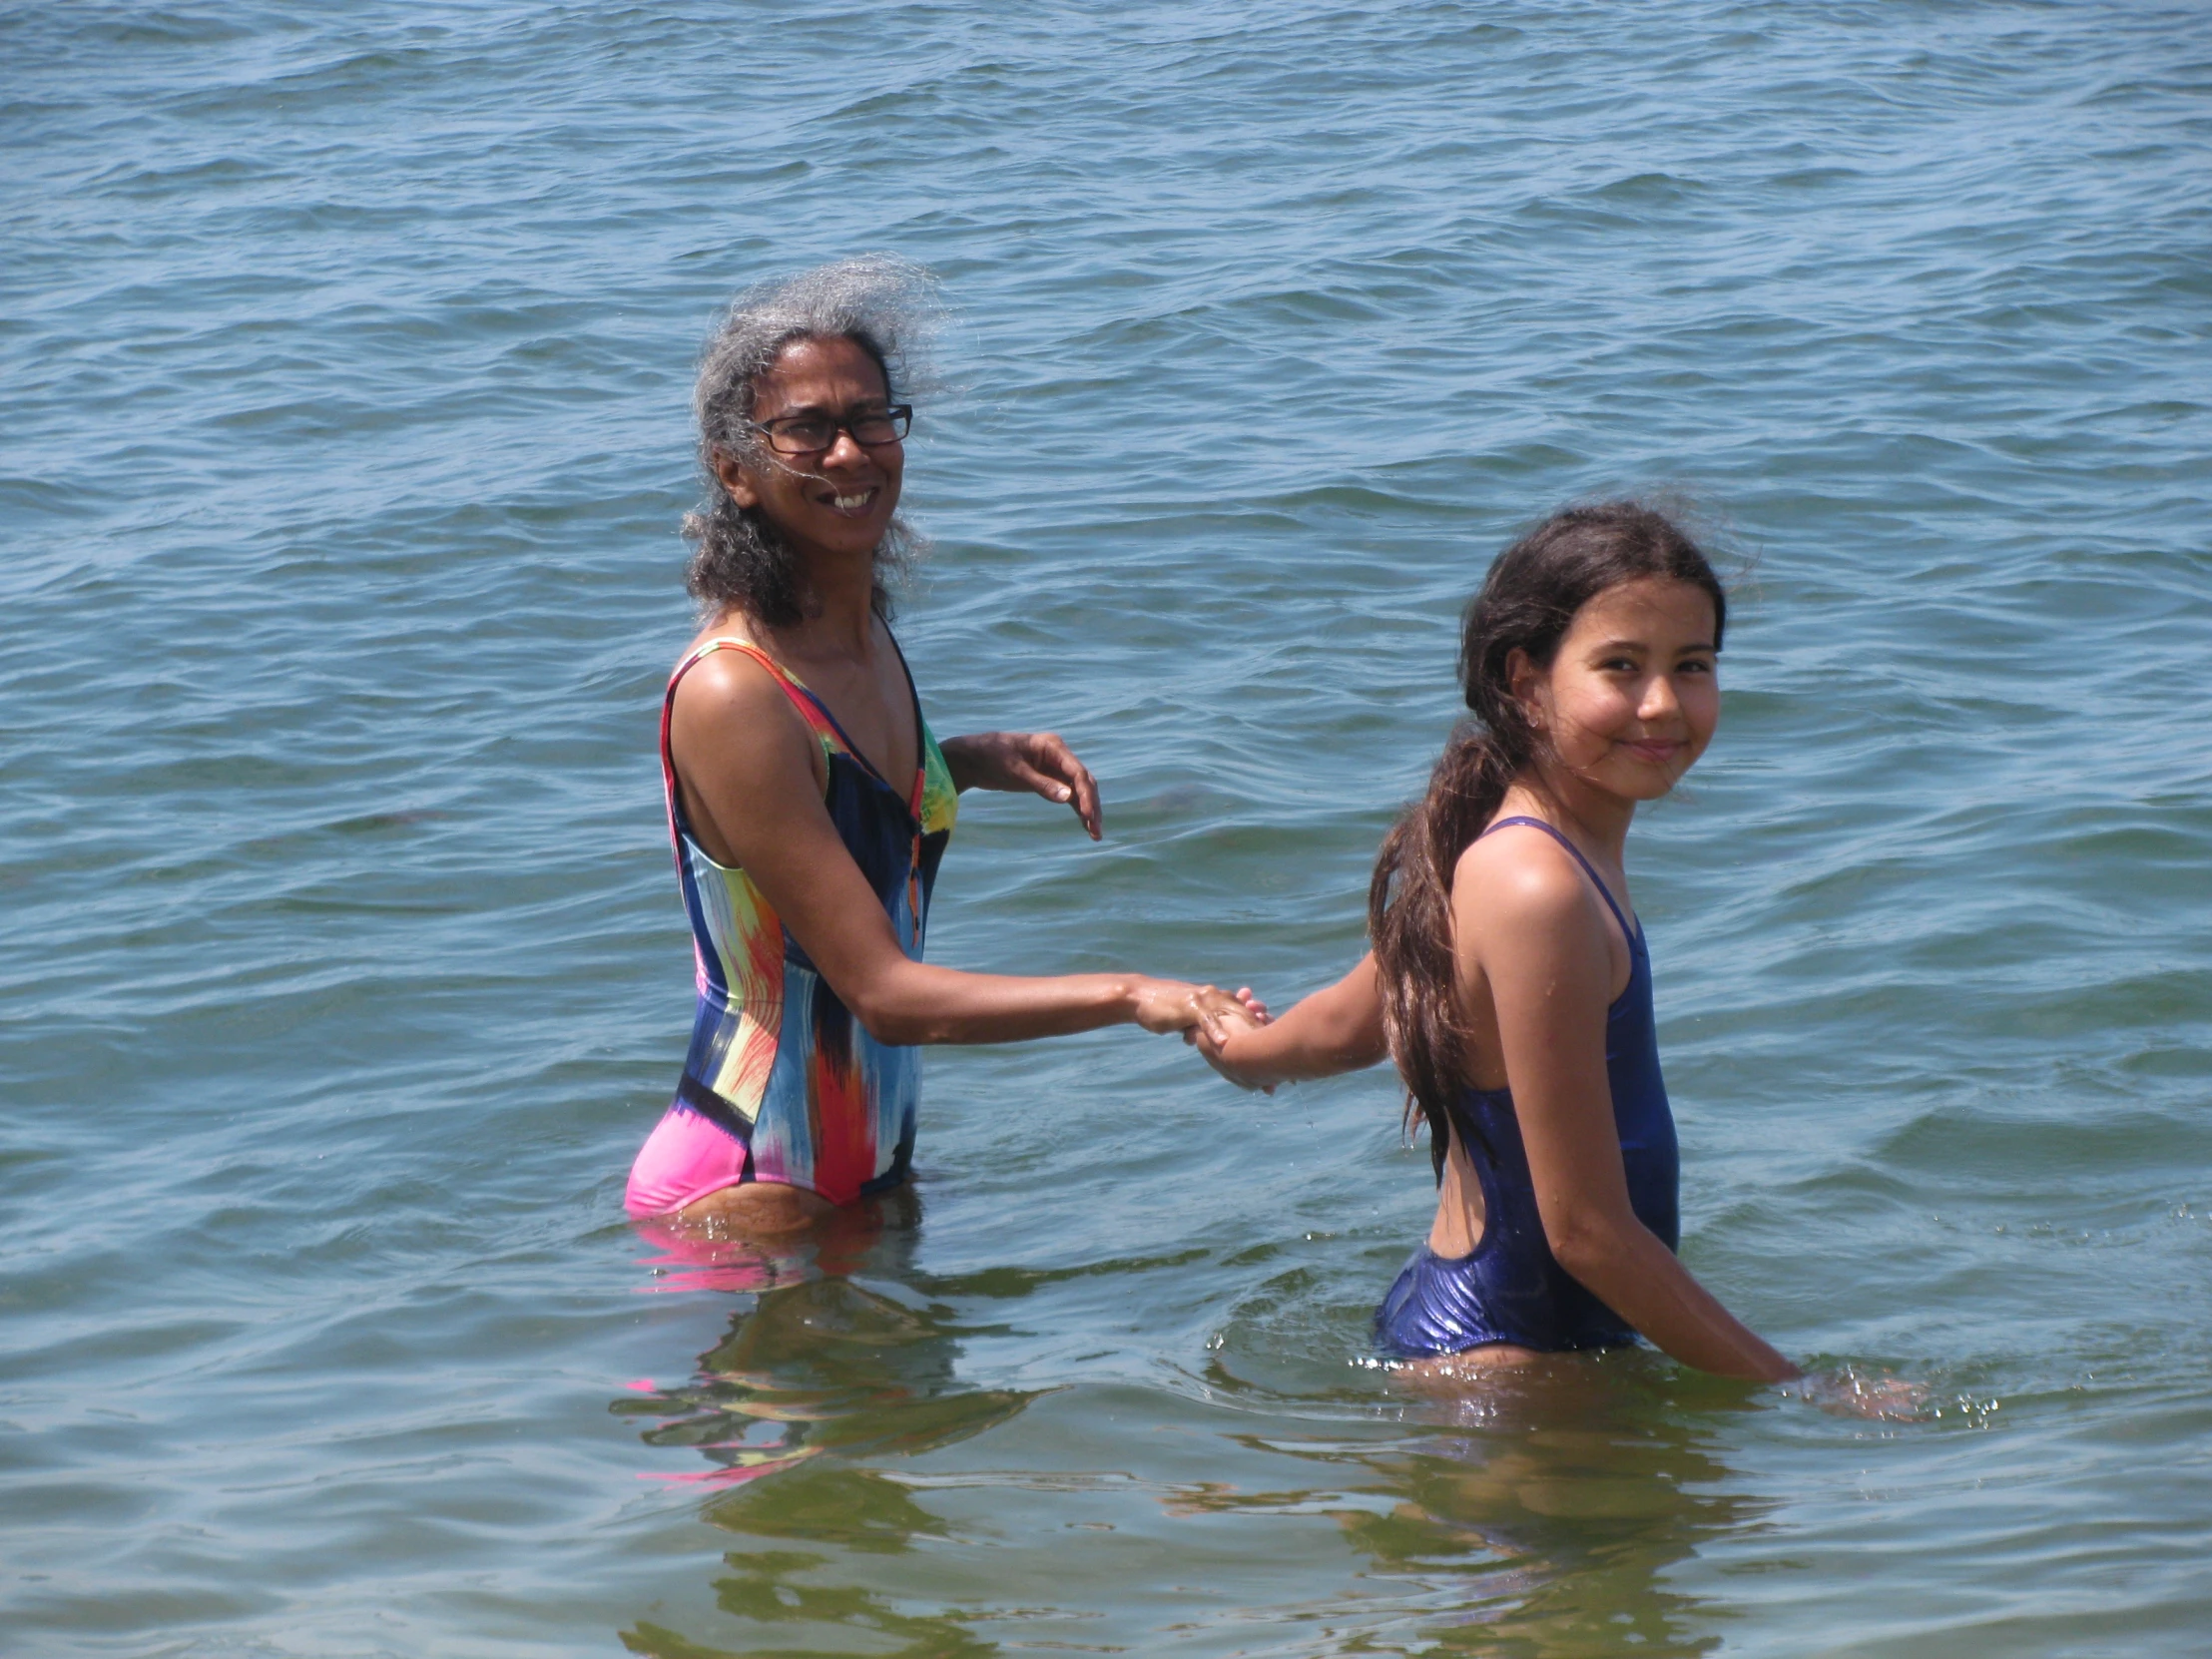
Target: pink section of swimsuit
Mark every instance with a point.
(682, 1161)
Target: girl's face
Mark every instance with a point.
(1632, 699)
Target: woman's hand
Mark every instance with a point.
(1334, 1030)
(1164, 1005)
(1035, 761)
(1216, 1039)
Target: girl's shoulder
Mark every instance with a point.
(1522, 906)
(1521, 876)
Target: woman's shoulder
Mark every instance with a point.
(720, 659)
(722, 678)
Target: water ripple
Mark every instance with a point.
(346, 358)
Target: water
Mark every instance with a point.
(345, 355)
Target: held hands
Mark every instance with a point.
(1215, 1037)
(1164, 1005)
(1034, 762)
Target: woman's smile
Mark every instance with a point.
(853, 503)
(838, 500)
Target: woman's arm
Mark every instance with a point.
(1334, 1030)
(745, 765)
(1036, 762)
(1529, 925)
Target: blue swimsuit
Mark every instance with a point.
(1510, 1289)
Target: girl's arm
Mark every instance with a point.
(1529, 927)
(1334, 1030)
(747, 769)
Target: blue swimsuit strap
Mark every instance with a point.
(1631, 934)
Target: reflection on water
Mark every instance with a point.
(1539, 1514)
(759, 1588)
(818, 1366)
(1586, 1518)
(1536, 1512)
(819, 1373)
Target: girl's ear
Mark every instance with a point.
(1526, 682)
(735, 479)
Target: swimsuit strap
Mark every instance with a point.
(1630, 933)
(678, 828)
(810, 708)
(922, 739)
(813, 712)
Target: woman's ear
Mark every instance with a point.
(735, 478)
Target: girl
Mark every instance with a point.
(1509, 980)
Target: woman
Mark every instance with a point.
(809, 803)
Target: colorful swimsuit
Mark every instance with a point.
(781, 1083)
(1511, 1288)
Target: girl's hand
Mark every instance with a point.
(1216, 1038)
(1035, 761)
(1843, 1393)
(1164, 1005)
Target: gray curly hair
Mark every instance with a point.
(888, 306)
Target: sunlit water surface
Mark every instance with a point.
(346, 358)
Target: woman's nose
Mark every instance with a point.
(1659, 702)
(844, 450)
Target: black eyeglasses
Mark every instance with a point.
(811, 434)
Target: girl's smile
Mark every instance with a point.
(1632, 698)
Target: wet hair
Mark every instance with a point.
(883, 304)
(1528, 602)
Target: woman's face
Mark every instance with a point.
(838, 500)
(1632, 697)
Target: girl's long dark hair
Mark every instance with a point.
(1526, 603)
